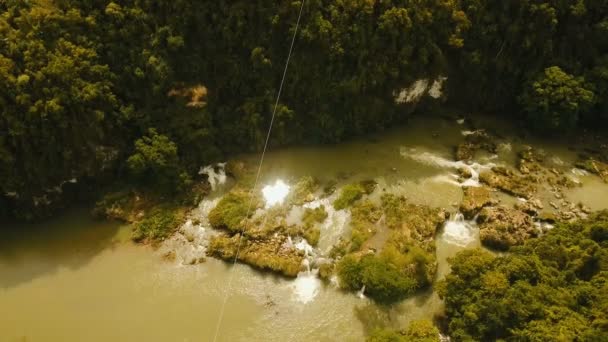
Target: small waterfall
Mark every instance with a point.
(460, 232)
(307, 283)
(430, 159)
(361, 293)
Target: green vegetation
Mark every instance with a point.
(417, 331)
(267, 254)
(364, 217)
(85, 97)
(348, 195)
(310, 220)
(406, 261)
(157, 225)
(383, 279)
(303, 191)
(155, 161)
(232, 209)
(551, 55)
(554, 285)
(556, 100)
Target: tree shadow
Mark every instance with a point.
(29, 251)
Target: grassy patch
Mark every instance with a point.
(364, 216)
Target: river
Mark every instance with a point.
(76, 279)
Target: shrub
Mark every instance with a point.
(155, 161)
(158, 225)
(349, 195)
(417, 331)
(231, 210)
(382, 279)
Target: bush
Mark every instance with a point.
(155, 161)
(417, 331)
(383, 280)
(349, 195)
(231, 210)
(158, 225)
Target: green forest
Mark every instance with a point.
(117, 105)
(92, 91)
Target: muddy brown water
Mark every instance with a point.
(75, 279)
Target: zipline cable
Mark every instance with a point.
(257, 176)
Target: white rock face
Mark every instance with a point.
(216, 174)
(418, 89)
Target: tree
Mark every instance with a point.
(555, 100)
(553, 285)
(155, 160)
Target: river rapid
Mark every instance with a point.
(75, 279)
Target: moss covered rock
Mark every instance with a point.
(303, 191)
(272, 254)
(419, 222)
(530, 160)
(475, 199)
(501, 227)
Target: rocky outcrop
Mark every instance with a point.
(475, 199)
(501, 227)
(506, 180)
(275, 253)
(474, 141)
(596, 167)
(530, 160)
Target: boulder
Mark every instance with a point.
(475, 199)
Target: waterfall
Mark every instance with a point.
(361, 293)
(460, 232)
(431, 159)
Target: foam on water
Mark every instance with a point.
(460, 232)
(189, 244)
(306, 286)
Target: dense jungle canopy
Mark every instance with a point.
(96, 90)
